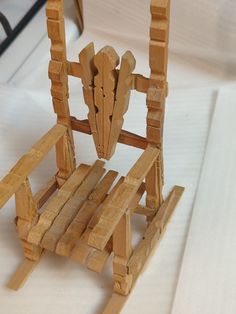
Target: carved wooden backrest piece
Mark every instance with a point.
(106, 93)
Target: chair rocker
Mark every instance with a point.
(86, 217)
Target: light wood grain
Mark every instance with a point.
(154, 232)
(22, 273)
(82, 250)
(156, 93)
(86, 58)
(125, 137)
(23, 168)
(121, 199)
(79, 223)
(105, 83)
(57, 73)
(71, 208)
(56, 204)
(115, 304)
(121, 100)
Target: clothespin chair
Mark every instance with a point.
(86, 218)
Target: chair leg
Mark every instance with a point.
(144, 250)
(122, 251)
(154, 187)
(26, 210)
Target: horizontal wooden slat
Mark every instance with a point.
(120, 201)
(82, 251)
(55, 205)
(97, 259)
(143, 210)
(140, 83)
(125, 137)
(71, 208)
(79, 224)
(17, 175)
(74, 69)
(131, 139)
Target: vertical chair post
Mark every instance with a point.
(59, 87)
(122, 249)
(157, 92)
(26, 211)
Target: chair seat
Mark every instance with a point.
(68, 219)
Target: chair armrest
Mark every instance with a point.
(17, 175)
(121, 199)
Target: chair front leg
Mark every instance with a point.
(154, 187)
(122, 249)
(26, 211)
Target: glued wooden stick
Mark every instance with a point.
(73, 205)
(21, 274)
(115, 304)
(86, 58)
(79, 223)
(105, 83)
(97, 260)
(122, 247)
(122, 100)
(159, 39)
(158, 90)
(144, 249)
(55, 205)
(74, 69)
(26, 212)
(125, 137)
(23, 168)
(121, 200)
(154, 232)
(57, 72)
(82, 250)
(143, 210)
(25, 204)
(65, 158)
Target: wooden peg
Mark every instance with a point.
(122, 100)
(59, 85)
(86, 58)
(105, 83)
(25, 205)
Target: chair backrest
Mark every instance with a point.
(106, 89)
(106, 92)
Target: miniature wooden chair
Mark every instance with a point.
(83, 219)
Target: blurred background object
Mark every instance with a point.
(79, 14)
(14, 16)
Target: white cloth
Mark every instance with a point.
(207, 282)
